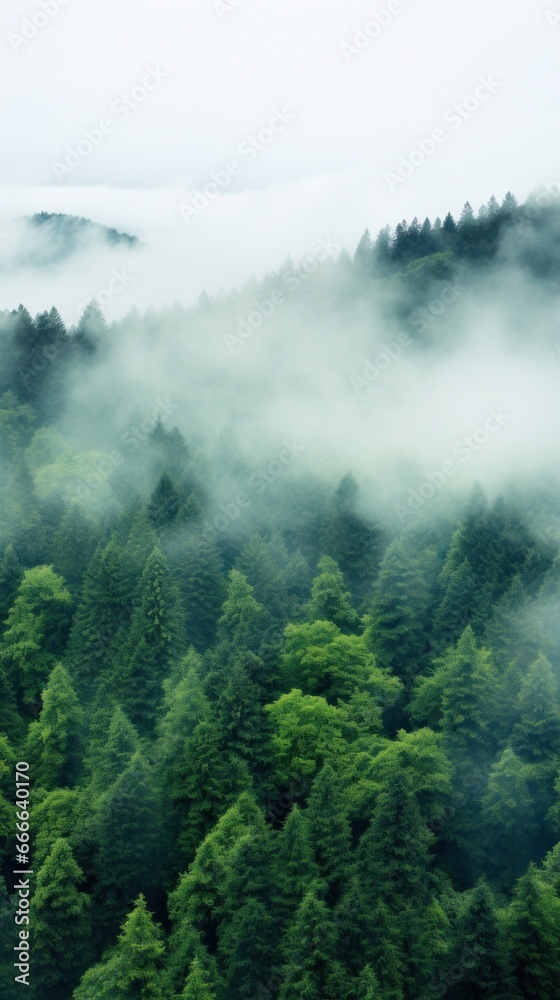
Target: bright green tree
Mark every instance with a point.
(60, 924)
(133, 970)
(36, 629)
(55, 740)
(197, 986)
(330, 601)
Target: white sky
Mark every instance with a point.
(325, 173)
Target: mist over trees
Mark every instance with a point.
(285, 740)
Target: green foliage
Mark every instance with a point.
(59, 922)
(152, 643)
(329, 599)
(133, 970)
(197, 986)
(36, 629)
(54, 743)
(533, 934)
(306, 733)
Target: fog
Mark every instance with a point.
(416, 404)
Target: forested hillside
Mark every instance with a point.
(290, 734)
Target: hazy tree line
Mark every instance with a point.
(306, 757)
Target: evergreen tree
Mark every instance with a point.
(131, 843)
(468, 697)
(329, 599)
(534, 937)
(479, 953)
(508, 815)
(36, 629)
(74, 544)
(401, 608)
(350, 541)
(117, 751)
(152, 643)
(536, 736)
(297, 869)
(165, 503)
(310, 968)
(328, 818)
(55, 741)
(200, 576)
(133, 970)
(59, 922)
(241, 621)
(197, 986)
(102, 616)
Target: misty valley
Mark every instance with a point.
(279, 629)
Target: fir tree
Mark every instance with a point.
(59, 920)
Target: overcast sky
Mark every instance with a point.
(220, 72)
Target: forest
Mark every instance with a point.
(262, 738)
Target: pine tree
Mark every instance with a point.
(240, 623)
(153, 642)
(401, 609)
(328, 817)
(55, 741)
(534, 937)
(73, 545)
(131, 842)
(102, 616)
(59, 921)
(297, 869)
(330, 601)
(250, 928)
(368, 985)
(165, 503)
(468, 697)
(207, 780)
(200, 576)
(347, 538)
(508, 815)
(115, 754)
(479, 953)
(134, 969)
(536, 736)
(264, 564)
(197, 986)
(309, 950)
(458, 606)
(36, 629)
